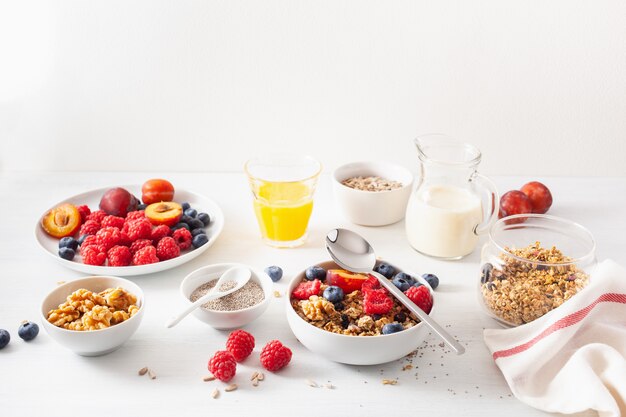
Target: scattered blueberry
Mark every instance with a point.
(186, 219)
(406, 277)
(400, 317)
(315, 272)
(5, 338)
(204, 218)
(345, 321)
(185, 206)
(199, 240)
(386, 270)
(485, 274)
(376, 317)
(179, 225)
(196, 232)
(339, 306)
(141, 206)
(67, 253)
(191, 212)
(275, 272)
(432, 280)
(68, 242)
(401, 283)
(28, 331)
(82, 238)
(195, 224)
(333, 294)
(392, 328)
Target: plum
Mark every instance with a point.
(118, 202)
(539, 195)
(515, 202)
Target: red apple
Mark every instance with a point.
(515, 202)
(539, 195)
(118, 202)
(346, 280)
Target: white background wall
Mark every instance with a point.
(539, 86)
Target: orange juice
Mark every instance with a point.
(283, 210)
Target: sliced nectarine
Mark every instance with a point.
(346, 280)
(61, 221)
(165, 212)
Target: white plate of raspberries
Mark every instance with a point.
(128, 246)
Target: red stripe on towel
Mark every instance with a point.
(562, 323)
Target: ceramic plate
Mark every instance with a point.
(92, 198)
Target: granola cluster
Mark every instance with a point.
(374, 184)
(86, 310)
(522, 291)
(350, 320)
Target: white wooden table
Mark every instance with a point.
(42, 378)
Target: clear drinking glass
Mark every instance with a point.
(283, 187)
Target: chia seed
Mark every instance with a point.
(249, 295)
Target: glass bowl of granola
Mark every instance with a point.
(531, 265)
(344, 327)
(93, 316)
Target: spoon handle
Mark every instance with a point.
(173, 321)
(425, 318)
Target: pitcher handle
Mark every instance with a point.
(489, 188)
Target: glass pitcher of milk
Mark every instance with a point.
(446, 214)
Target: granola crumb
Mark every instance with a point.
(407, 367)
(143, 371)
(230, 388)
(215, 393)
(390, 381)
(277, 294)
(151, 374)
(371, 183)
(208, 378)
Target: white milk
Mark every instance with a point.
(440, 221)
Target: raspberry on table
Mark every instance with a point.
(90, 227)
(223, 365)
(275, 356)
(183, 238)
(421, 297)
(241, 344)
(167, 248)
(84, 212)
(145, 256)
(159, 233)
(97, 216)
(108, 237)
(135, 215)
(139, 244)
(92, 255)
(376, 302)
(112, 221)
(138, 229)
(119, 256)
(306, 289)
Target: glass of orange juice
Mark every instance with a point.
(283, 188)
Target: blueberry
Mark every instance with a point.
(186, 206)
(186, 219)
(315, 272)
(82, 238)
(333, 294)
(406, 277)
(417, 284)
(28, 331)
(204, 218)
(345, 321)
(385, 270)
(5, 338)
(392, 328)
(196, 232)
(400, 317)
(275, 272)
(339, 306)
(191, 212)
(68, 242)
(199, 240)
(195, 224)
(67, 253)
(401, 283)
(141, 206)
(432, 280)
(485, 274)
(179, 226)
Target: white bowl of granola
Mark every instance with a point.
(93, 316)
(363, 344)
(373, 193)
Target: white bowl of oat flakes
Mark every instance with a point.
(373, 193)
(93, 316)
(234, 310)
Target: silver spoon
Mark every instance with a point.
(238, 274)
(352, 252)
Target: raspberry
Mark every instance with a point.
(97, 215)
(119, 256)
(421, 297)
(90, 241)
(182, 236)
(274, 356)
(306, 289)
(145, 256)
(92, 255)
(112, 221)
(240, 343)
(139, 244)
(223, 365)
(167, 249)
(90, 227)
(372, 284)
(135, 215)
(159, 233)
(84, 212)
(108, 237)
(376, 302)
(138, 229)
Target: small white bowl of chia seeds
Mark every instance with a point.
(234, 310)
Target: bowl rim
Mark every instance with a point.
(499, 224)
(375, 163)
(140, 297)
(259, 274)
(349, 337)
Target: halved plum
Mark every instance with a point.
(61, 221)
